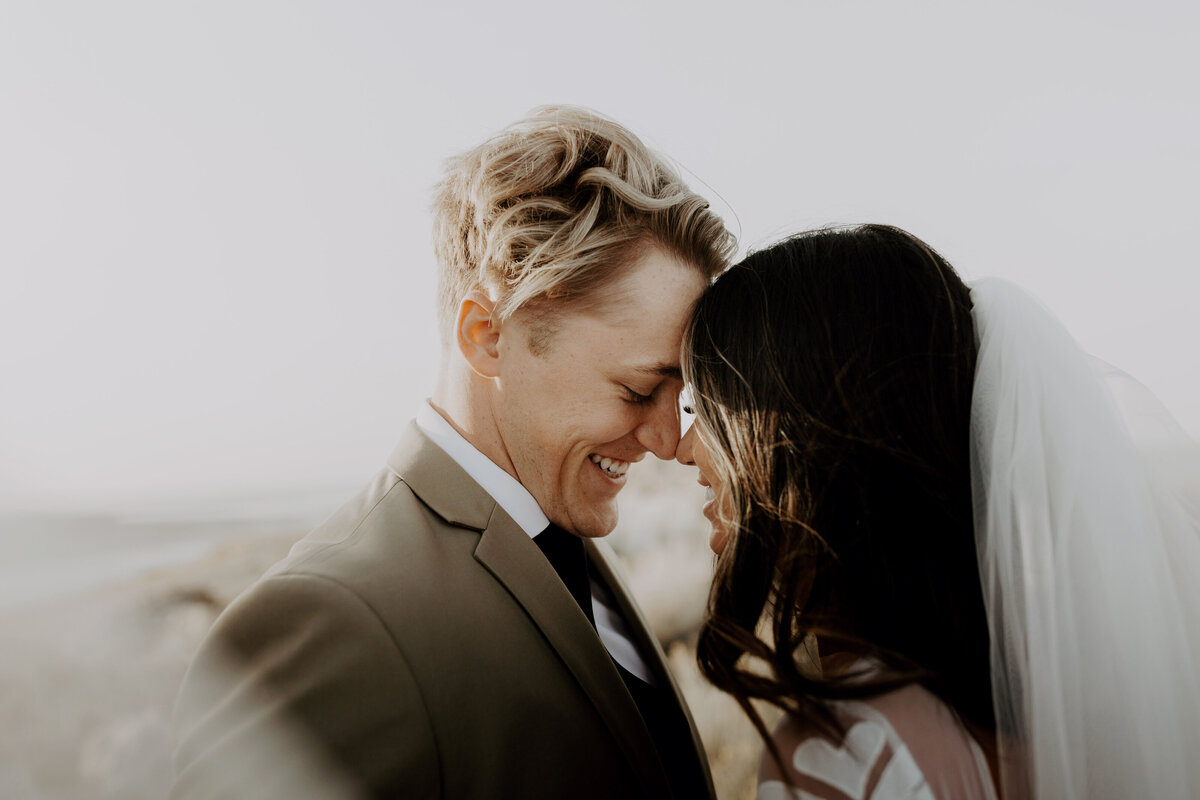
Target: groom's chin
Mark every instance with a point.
(593, 521)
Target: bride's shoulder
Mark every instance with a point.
(886, 747)
(821, 765)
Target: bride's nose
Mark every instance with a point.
(683, 453)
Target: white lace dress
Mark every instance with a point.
(903, 745)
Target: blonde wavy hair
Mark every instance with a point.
(553, 208)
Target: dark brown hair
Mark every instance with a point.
(832, 375)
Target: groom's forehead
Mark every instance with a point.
(657, 284)
(644, 349)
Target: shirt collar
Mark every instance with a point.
(506, 490)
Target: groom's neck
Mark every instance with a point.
(463, 401)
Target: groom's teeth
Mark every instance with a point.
(611, 466)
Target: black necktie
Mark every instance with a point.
(566, 554)
(662, 716)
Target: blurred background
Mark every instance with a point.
(216, 305)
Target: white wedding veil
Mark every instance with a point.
(1089, 555)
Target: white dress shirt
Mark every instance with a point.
(519, 504)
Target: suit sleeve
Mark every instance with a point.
(300, 691)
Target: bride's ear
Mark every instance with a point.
(477, 334)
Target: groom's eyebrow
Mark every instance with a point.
(660, 370)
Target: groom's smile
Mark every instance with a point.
(611, 467)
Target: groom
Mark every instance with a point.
(457, 630)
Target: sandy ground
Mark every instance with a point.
(87, 679)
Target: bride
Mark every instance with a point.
(943, 549)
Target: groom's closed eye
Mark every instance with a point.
(637, 388)
(635, 397)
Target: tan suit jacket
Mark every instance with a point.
(418, 644)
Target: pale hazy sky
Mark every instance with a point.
(214, 235)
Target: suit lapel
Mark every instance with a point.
(512, 557)
(514, 560)
(439, 481)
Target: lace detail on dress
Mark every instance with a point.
(873, 762)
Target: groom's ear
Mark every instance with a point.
(478, 334)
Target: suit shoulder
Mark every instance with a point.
(292, 599)
(383, 495)
(380, 532)
(385, 547)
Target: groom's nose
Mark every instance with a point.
(658, 431)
